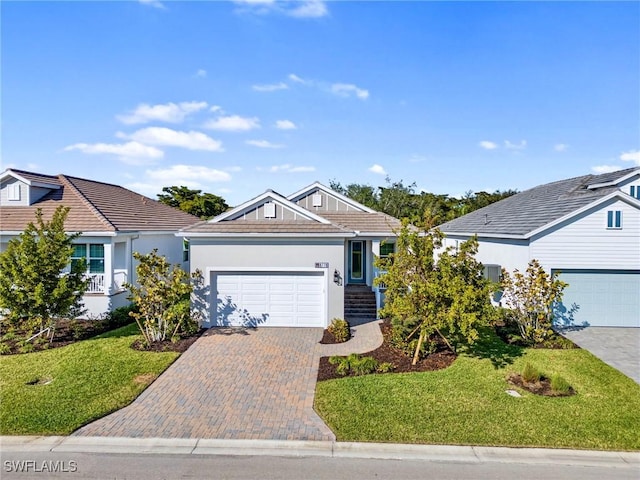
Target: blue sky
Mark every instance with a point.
(237, 97)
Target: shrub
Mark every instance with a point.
(385, 367)
(364, 366)
(120, 317)
(339, 328)
(355, 364)
(530, 374)
(559, 384)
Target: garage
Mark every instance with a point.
(269, 299)
(601, 298)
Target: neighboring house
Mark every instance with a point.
(300, 260)
(114, 222)
(586, 228)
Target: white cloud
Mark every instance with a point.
(631, 156)
(560, 147)
(216, 108)
(378, 169)
(163, 136)
(288, 168)
(309, 9)
(347, 90)
(270, 87)
(168, 112)
(153, 3)
(133, 153)
(233, 123)
(488, 145)
(263, 144)
(296, 79)
(285, 125)
(201, 73)
(515, 146)
(605, 168)
(183, 174)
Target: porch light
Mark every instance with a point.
(337, 278)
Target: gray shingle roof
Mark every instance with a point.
(95, 207)
(261, 227)
(527, 211)
(364, 222)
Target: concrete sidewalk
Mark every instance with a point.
(283, 448)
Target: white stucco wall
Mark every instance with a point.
(509, 254)
(211, 255)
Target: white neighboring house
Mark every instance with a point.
(114, 222)
(300, 260)
(586, 228)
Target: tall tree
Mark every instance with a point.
(38, 281)
(203, 205)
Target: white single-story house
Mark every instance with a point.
(586, 228)
(114, 222)
(300, 260)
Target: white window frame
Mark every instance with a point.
(614, 219)
(13, 192)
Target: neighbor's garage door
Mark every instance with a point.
(289, 299)
(604, 298)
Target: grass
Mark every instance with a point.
(466, 404)
(89, 379)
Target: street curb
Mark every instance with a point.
(302, 448)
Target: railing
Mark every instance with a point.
(96, 283)
(119, 279)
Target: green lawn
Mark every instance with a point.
(466, 404)
(90, 379)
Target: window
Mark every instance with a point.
(634, 191)
(614, 219)
(386, 249)
(13, 191)
(185, 250)
(492, 273)
(95, 259)
(317, 200)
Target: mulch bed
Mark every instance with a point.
(180, 346)
(401, 362)
(542, 387)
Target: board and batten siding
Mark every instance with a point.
(227, 255)
(585, 242)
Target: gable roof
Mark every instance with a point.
(528, 212)
(361, 221)
(94, 207)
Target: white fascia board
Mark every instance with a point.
(301, 193)
(264, 235)
(617, 194)
(377, 234)
(510, 236)
(614, 182)
(246, 206)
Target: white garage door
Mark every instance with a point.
(601, 298)
(289, 299)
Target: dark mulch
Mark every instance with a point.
(543, 387)
(67, 331)
(402, 363)
(179, 346)
(328, 338)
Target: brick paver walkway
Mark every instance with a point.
(237, 383)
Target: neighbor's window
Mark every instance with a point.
(386, 249)
(13, 191)
(614, 219)
(492, 273)
(634, 191)
(94, 259)
(185, 250)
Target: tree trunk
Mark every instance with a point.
(416, 354)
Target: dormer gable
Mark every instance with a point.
(19, 188)
(321, 199)
(628, 182)
(269, 207)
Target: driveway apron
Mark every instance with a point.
(616, 346)
(231, 383)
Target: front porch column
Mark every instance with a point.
(108, 269)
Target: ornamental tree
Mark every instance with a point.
(429, 294)
(531, 298)
(163, 297)
(38, 282)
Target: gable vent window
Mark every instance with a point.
(317, 200)
(13, 192)
(634, 191)
(614, 219)
(269, 210)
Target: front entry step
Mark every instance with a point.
(359, 303)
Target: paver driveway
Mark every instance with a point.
(231, 383)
